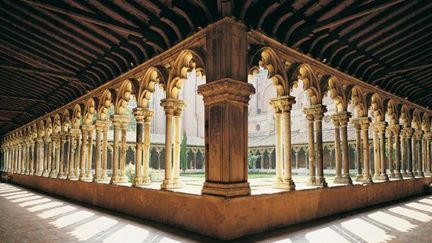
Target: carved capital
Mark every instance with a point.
(120, 121)
(142, 114)
(282, 104)
(226, 90)
(173, 106)
(317, 111)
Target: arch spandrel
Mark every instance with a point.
(393, 112)
(105, 102)
(147, 84)
(426, 123)
(416, 122)
(378, 107)
(76, 116)
(360, 100)
(128, 88)
(48, 126)
(312, 83)
(89, 111)
(338, 92)
(406, 116)
(57, 125)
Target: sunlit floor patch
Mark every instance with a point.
(24, 199)
(44, 206)
(330, 236)
(128, 233)
(366, 231)
(94, 227)
(14, 193)
(392, 221)
(427, 201)
(34, 202)
(72, 218)
(56, 211)
(411, 214)
(19, 195)
(420, 206)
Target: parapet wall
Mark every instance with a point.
(226, 218)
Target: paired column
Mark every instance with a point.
(119, 148)
(48, 155)
(409, 152)
(173, 109)
(383, 170)
(73, 162)
(56, 156)
(143, 118)
(358, 149)
(63, 157)
(396, 174)
(282, 109)
(427, 148)
(340, 121)
(89, 160)
(418, 153)
(364, 124)
(314, 115)
(380, 172)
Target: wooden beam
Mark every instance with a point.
(26, 99)
(409, 68)
(353, 14)
(39, 71)
(89, 17)
(17, 111)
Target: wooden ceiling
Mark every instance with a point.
(55, 51)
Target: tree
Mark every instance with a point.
(183, 153)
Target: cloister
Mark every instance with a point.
(81, 150)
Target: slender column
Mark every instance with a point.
(344, 117)
(104, 175)
(364, 123)
(376, 149)
(397, 139)
(176, 146)
(390, 151)
(89, 175)
(427, 146)
(83, 155)
(61, 173)
(383, 171)
(173, 110)
(424, 155)
(68, 154)
(278, 146)
(418, 153)
(320, 180)
(56, 156)
(311, 152)
(410, 145)
(148, 114)
(118, 148)
(403, 150)
(39, 160)
(73, 172)
(99, 130)
(137, 112)
(48, 157)
(358, 148)
(338, 152)
(123, 149)
(26, 157)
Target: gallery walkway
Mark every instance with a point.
(37, 217)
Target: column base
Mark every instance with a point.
(46, 173)
(345, 180)
(428, 174)
(408, 175)
(117, 180)
(359, 177)
(366, 179)
(89, 177)
(311, 181)
(139, 181)
(419, 174)
(39, 173)
(396, 175)
(287, 184)
(227, 190)
(53, 174)
(62, 175)
(382, 177)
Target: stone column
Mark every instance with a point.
(418, 136)
(68, 154)
(138, 179)
(99, 129)
(397, 139)
(390, 151)
(26, 159)
(56, 156)
(376, 149)
(311, 146)
(48, 156)
(148, 114)
(410, 145)
(104, 155)
(73, 171)
(343, 118)
(89, 175)
(338, 151)
(358, 149)
(282, 107)
(63, 156)
(173, 108)
(32, 155)
(427, 147)
(382, 142)
(119, 148)
(39, 159)
(404, 156)
(83, 155)
(364, 123)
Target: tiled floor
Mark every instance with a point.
(29, 216)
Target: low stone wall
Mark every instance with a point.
(226, 218)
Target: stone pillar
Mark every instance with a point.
(73, 171)
(99, 129)
(311, 146)
(89, 175)
(68, 154)
(418, 137)
(358, 149)
(282, 108)
(56, 156)
(48, 156)
(137, 112)
(104, 176)
(119, 148)
(173, 108)
(397, 139)
(364, 123)
(338, 151)
(404, 156)
(409, 145)
(32, 156)
(148, 114)
(26, 153)
(382, 145)
(343, 118)
(83, 155)
(390, 151)
(427, 148)
(63, 157)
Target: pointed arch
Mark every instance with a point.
(378, 107)
(185, 62)
(147, 83)
(105, 102)
(57, 124)
(276, 71)
(426, 122)
(76, 117)
(66, 121)
(393, 112)
(311, 83)
(89, 111)
(360, 99)
(406, 116)
(48, 126)
(416, 122)
(126, 90)
(337, 92)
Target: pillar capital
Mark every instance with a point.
(418, 134)
(173, 106)
(142, 114)
(75, 132)
(428, 135)
(119, 120)
(342, 117)
(101, 124)
(317, 111)
(282, 103)
(226, 90)
(407, 132)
